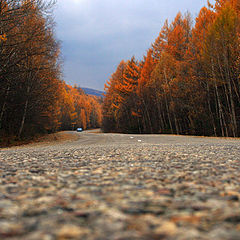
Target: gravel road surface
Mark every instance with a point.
(121, 187)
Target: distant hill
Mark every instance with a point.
(90, 91)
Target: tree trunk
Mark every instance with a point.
(174, 115)
(218, 104)
(148, 115)
(233, 115)
(169, 118)
(210, 111)
(24, 114)
(4, 106)
(229, 98)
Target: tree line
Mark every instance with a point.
(79, 110)
(33, 98)
(188, 82)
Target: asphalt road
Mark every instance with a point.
(96, 137)
(121, 187)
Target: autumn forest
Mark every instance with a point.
(33, 98)
(187, 83)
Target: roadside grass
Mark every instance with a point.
(11, 141)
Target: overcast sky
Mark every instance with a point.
(97, 34)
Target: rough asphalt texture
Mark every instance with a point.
(122, 187)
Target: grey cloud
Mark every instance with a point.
(97, 34)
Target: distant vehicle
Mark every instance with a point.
(79, 129)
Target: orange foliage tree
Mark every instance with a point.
(189, 81)
(120, 104)
(79, 109)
